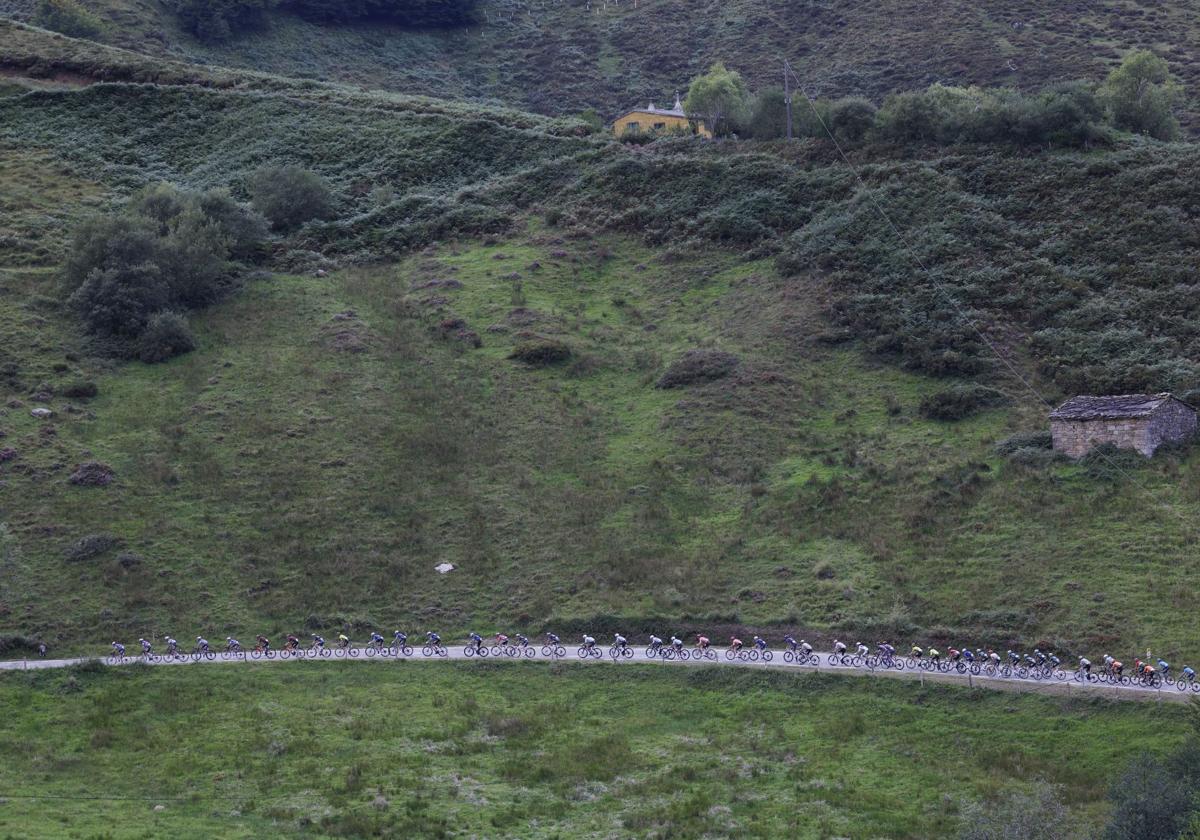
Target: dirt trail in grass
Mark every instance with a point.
(1066, 687)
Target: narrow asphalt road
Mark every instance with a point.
(1052, 687)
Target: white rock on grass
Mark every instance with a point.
(442, 568)
(42, 413)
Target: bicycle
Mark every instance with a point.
(346, 650)
(498, 649)
(315, 650)
(233, 653)
(261, 652)
(704, 653)
(118, 659)
(403, 650)
(799, 656)
(479, 650)
(203, 653)
(376, 649)
(618, 652)
(556, 651)
(586, 652)
(434, 650)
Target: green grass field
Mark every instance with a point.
(424, 750)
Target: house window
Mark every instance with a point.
(632, 127)
(660, 126)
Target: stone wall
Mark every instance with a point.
(1172, 422)
(1075, 438)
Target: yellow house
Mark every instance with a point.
(659, 120)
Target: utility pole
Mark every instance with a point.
(787, 96)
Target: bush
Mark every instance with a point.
(1019, 816)
(118, 302)
(1149, 802)
(1108, 463)
(91, 546)
(67, 17)
(1025, 440)
(541, 352)
(696, 367)
(83, 390)
(412, 13)
(165, 337)
(1141, 96)
(290, 196)
(214, 21)
(851, 119)
(960, 402)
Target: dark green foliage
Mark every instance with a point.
(540, 352)
(1109, 463)
(1141, 96)
(166, 335)
(851, 119)
(83, 390)
(411, 13)
(961, 401)
(91, 546)
(1150, 801)
(767, 119)
(67, 17)
(289, 196)
(697, 367)
(219, 20)
(163, 250)
(1025, 440)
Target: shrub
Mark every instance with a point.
(83, 390)
(92, 474)
(290, 196)
(91, 546)
(541, 352)
(1141, 95)
(1025, 440)
(960, 402)
(411, 13)
(166, 335)
(214, 21)
(118, 302)
(696, 367)
(850, 119)
(1019, 816)
(1108, 463)
(1148, 802)
(67, 17)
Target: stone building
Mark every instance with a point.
(1130, 421)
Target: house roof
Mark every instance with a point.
(675, 111)
(1120, 407)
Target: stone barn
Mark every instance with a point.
(1131, 421)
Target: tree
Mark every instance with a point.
(67, 17)
(118, 302)
(166, 335)
(1140, 94)
(1149, 802)
(290, 196)
(718, 97)
(850, 119)
(768, 115)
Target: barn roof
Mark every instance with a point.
(1120, 407)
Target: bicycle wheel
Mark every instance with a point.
(370, 650)
(427, 650)
(651, 653)
(833, 659)
(582, 653)
(469, 651)
(856, 661)
(730, 655)
(788, 656)
(898, 664)
(767, 656)
(547, 650)
(528, 652)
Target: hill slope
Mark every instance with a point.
(563, 56)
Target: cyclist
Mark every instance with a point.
(476, 641)
(861, 649)
(916, 653)
(147, 648)
(376, 640)
(702, 642)
(172, 645)
(676, 642)
(399, 639)
(1085, 666)
(1108, 661)
(202, 644)
(1013, 658)
(804, 646)
(953, 654)
(118, 649)
(434, 638)
(553, 639)
(343, 641)
(502, 640)
(1148, 671)
(588, 642)
(1053, 660)
(994, 658)
(968, 656)
(1187, 674)
(735, 643)
(318, 642)
(1117, 667)
(522, 640)
(620, 641)
(293, 642)
(232, 644)
(935, 656)
(1164, 667)
(1039, 657)
(886, 650)
(42, 649)
(264, 644)
(839, 647)
(791, 643)
(655, 643)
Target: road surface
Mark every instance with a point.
(457, 653)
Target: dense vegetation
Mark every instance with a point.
(429, 751)
(220, 20)
(562, 57)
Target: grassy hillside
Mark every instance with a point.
(429, 750)
(335, 437)
(563, 56)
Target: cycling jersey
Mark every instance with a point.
(735, 643)
(553, 638)
(702, 641)
(676, 642)
(588, 641)
(619, 640)
(318, 641)
(761, 644)
(119, 648)
(375, 637)
(839, 647)
(655, 642)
